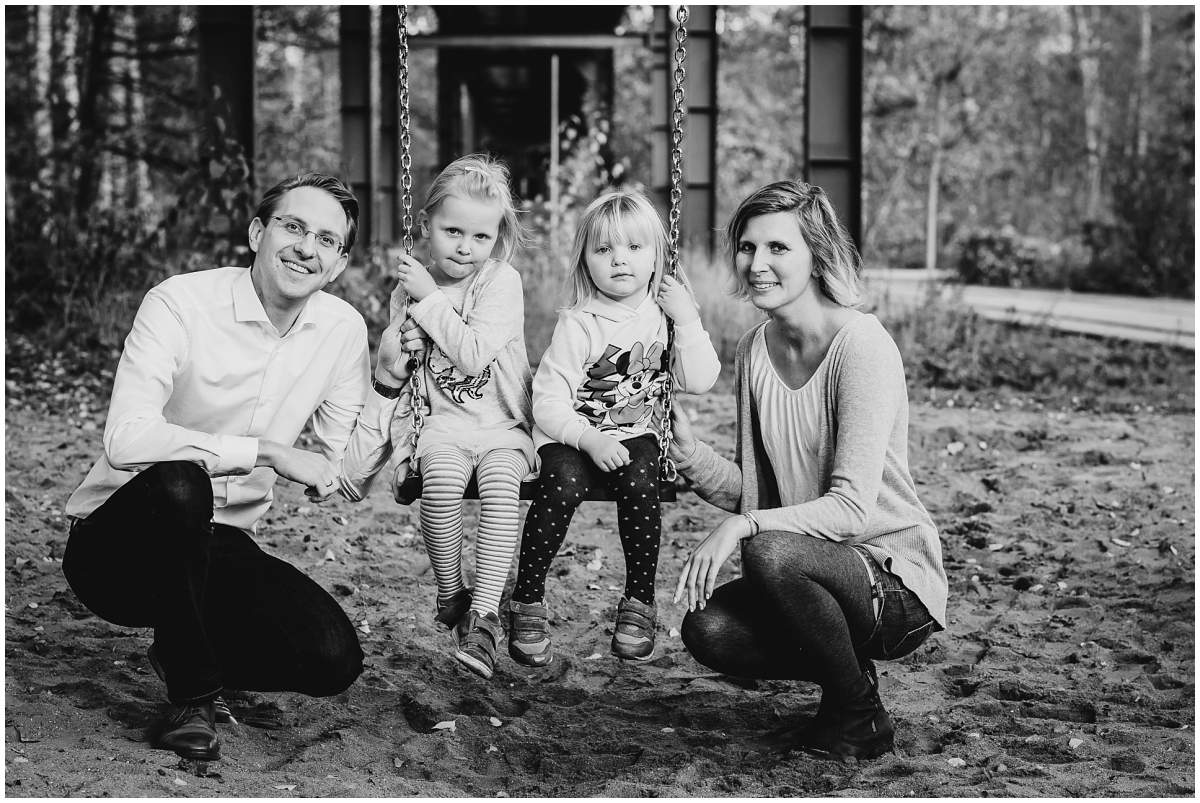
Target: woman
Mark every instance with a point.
(841, 562)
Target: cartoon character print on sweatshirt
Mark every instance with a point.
(623, 387)
(453, 382)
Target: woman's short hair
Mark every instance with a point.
(836, 262)
(322, 181)
(484, 178)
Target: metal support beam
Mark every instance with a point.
(355, 47)
(388, 173)
(698, 219)
(833, 85)
(226, 47)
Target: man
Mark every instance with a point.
(220, 373)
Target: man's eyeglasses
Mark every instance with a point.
(295, 229)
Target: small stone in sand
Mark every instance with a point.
(956, 762)
(495, 722)
(1074, 743)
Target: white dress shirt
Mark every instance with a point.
(205, 375)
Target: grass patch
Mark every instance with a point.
(952, 353)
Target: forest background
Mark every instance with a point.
(1029, 146)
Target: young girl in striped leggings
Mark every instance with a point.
(466, 306)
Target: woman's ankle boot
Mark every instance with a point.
(856, 726)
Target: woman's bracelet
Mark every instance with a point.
(753, 523)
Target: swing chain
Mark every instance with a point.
(415, 363)
(678, 111)
(406, 199)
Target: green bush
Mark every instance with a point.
(946, 346)
(1006, 258)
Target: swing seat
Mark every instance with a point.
(409, 491)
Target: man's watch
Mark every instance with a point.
(385, 391)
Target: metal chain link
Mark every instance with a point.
(678, 111)
(416, 363)
(406, 199)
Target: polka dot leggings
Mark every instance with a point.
(566, 475)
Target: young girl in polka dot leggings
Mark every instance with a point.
(597, 407)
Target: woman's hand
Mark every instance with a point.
(414, 277)
(676, 301)
(683, 442)
(698, 577)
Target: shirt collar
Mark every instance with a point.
(604, 307)
(248, 307)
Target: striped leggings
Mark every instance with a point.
(445, 473)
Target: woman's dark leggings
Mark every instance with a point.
(565, 477)
(803, 610)
(225, 614)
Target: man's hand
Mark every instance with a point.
(399, 341)
(309, 469)
(414, 277)
(606, 452)
(413, 337)
(676, 301)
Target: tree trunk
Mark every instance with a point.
(1143, 85)
(93, 107)
(43, 67)
(935, 176)
(1087, 52)
(880, 215)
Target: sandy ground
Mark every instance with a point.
(1068, 668)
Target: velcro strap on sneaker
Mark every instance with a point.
(634, 618)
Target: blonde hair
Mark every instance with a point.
(835, 260)
(612, 213)
(484, 178)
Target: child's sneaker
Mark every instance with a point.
(477, 651)
(633, 638)
(529, 634)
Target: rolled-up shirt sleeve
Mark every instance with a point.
(370, 444)
(334, 419)
(137, 434)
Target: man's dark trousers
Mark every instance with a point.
(225, 614)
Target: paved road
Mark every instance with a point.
(1153, 320)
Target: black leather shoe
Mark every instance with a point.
(224, 714)
(191, 731)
